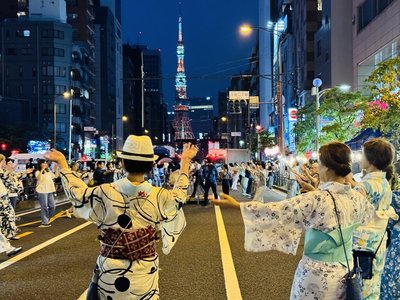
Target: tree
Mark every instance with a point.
(338, 112)
(381, 110)
(265, 140)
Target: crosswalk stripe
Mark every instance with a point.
(231, 281)
(39, 247)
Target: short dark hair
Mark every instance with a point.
(9, 159)
(379, 153)
(337, 157)
(140, 167)
(99, 162)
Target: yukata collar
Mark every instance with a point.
(335, 187)
(126, 187)
(378, 174)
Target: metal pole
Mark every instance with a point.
(142, 70)
(281, 138)
(317, 95)
(55, 123)
(70, 131)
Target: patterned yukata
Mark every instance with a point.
(368, 237)
(390, 283)
(4, 243)
(114, 206)
(279, 226)
(7, 214)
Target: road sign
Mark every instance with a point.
(236, 133)
(89, 128)
(254, 102)
(292, 114)
(239, 95)
(225, 136)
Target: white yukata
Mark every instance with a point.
(114, 206)
(279, 226)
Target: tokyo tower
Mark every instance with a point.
(181, 122)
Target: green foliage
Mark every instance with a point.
(384, 86)
(265, 141)
(340, 108)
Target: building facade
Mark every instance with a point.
(376, 36)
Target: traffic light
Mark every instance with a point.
(237, 107)
(231, 108)
(3, 146)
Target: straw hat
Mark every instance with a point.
(138, 148)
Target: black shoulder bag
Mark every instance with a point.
(365, 260)
(353, 281)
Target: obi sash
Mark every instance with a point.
(132, 244)
(327, 246)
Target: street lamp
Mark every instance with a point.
(146, 131)
(124, 118)
(317, 83)
(279, 32)
(224, 119)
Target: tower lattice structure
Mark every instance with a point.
(181, 123)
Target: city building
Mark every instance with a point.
(35, 71)
(108, 66)
(80, 17)
(376, 36)
(333, 44)
(144, 104)
(201, 114)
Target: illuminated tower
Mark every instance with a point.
(181, 122)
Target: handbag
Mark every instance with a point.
(365, 260)
(353, 281)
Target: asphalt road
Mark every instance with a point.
(193, 269)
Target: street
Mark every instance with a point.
(57, 262)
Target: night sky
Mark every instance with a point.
(213, 45)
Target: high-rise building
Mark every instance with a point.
(109, 89)
(376, 36)
(35, 65)
(145, 108)
(80, 17)
(333, 51)
(181, 123)
(201, 115)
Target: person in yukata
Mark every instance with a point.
(279, 226)
(377, 156)
(131, 215)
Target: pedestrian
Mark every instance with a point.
(271, 174)
(279, 226)
(109, 173)
(12, 181)
(130, 210)
(198, 178)
(45, 189)
(235, 175)
(226, 177)
(293, 186)
(7, 214)
(371, 239)
(390, 285)
(210, 176)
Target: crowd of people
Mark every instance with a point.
(350, 221)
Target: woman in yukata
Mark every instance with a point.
(130, 214)
(377, 155)
(390, 286)
(279, 226)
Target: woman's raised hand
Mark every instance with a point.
(226, 201)
(189, 151)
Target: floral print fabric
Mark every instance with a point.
(367, 238)
(279, 226)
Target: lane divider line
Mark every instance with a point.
(24, 234)
(83, 296)
(52, 219)
(41, 246)
(231, 281)
(31, 211)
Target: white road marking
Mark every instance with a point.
(83, 296)
(231, 281)
(39, 247)
(38, 209)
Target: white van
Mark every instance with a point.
(21, 159)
